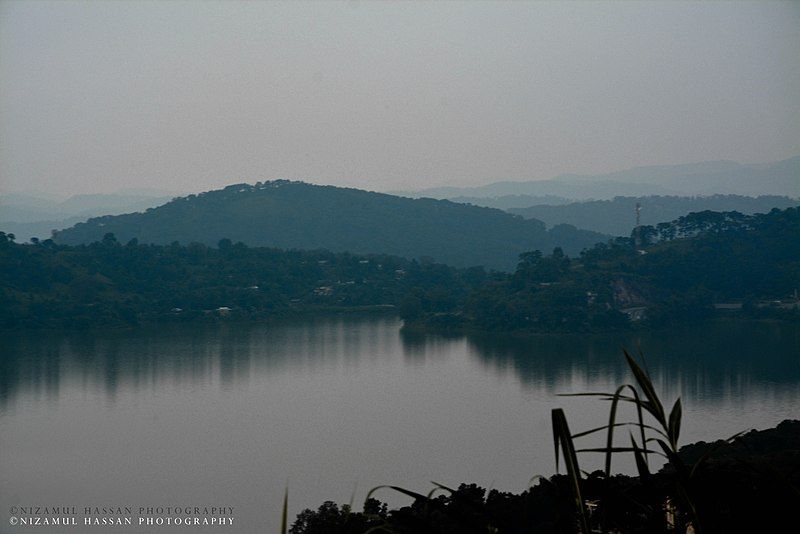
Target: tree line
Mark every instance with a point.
(107, 282)
(672, 272)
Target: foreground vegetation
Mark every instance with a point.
(748, 486)
(747, 483)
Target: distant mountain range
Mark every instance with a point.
(296, 215)
(507, 202)
(28, 216)
(618, 216)
(329, 217)
(708, 178)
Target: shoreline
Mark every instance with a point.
(210, 317)
(422, 328)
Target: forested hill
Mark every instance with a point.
(296, 215)
(618, 216)
(672, 272)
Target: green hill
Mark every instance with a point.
(296, 215)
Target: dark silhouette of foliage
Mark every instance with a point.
(755, 492)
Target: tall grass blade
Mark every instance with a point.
(285, 512)
(605, 427)
(563, 439)
(442, 486)
(352, 500)
(413, 494)
(673, 458)
(674, 429)
(616, 449)
(612, 419)
(653, 404)
(641, 464)
(557, 433)
(432, 492)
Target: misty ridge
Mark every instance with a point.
(691, 179)
(616, 216)
(570, 211)
(37, 215)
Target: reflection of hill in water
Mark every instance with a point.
(710, 362)
(721, 361)
(181, 355)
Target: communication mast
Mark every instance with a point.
(637, 238)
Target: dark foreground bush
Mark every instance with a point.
(746, 483)
(747, 486)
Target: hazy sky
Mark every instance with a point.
(99, 96)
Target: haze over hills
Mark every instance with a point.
(296, 215)
(29, 208)
(505, 191)
(618, 216)
(26, 215)
(706, 178)
(513, 201)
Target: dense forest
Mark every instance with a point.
(295, 215)
(106, 282)
(673, 272)
(618, 216)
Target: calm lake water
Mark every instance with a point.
(227, 415)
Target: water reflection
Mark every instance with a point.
(708, 363)
(149, 358)
(109, 416)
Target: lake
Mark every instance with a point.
(227, 415)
